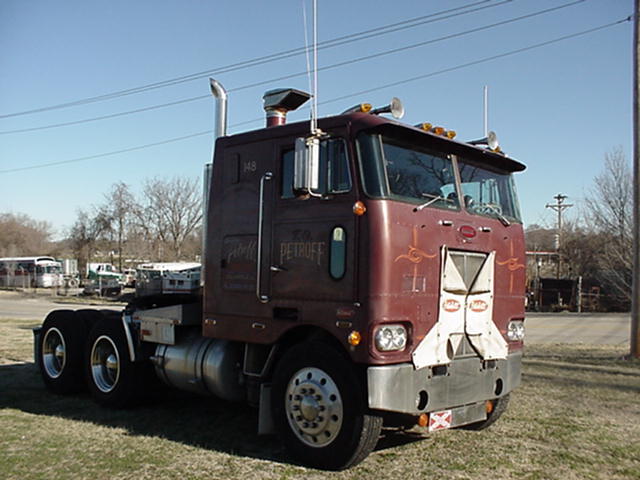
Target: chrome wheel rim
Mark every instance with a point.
(105, 364)
(314, 407)
(54, 353)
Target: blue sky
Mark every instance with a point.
(558, 108)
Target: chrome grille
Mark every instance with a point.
(468, 264)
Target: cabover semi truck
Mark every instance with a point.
(358, 274)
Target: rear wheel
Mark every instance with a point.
(498, 407)
(61, 352)
(320, 410)
(113, 379)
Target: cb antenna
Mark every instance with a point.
(486, 110)
(314, 110)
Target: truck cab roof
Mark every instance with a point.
(357, 122)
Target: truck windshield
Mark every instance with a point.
(407, 172)
(488, 193)
(398, 166)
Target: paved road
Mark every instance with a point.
(612, 328)
(592, 328)
(13, 305)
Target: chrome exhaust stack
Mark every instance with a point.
(218, 91)
(220, 130)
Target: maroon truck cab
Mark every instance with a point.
(278, 262)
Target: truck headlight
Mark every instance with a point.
(390, 338)
(515, 330)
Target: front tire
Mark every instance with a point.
(113, 379)
(320, 410)
(61, 352)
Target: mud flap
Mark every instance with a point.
(479, 326)
(265, 419)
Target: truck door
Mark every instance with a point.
(313, 240)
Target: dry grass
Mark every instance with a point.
(576, 416)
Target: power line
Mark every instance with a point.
(370, 90)
(482, 60)
(299, 74)
(105, 117)
(365, 34)
(108, 154)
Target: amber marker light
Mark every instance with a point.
(426, 126)
(359, 208)
(489, 407)
(451, 134)
(365, 107)
(423, 420)
(438, 130)
(354, 338)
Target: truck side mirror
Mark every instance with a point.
(306, 170)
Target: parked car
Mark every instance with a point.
(128, 278)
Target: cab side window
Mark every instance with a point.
(335, 175)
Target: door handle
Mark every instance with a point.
(277, 268)
(262, 298)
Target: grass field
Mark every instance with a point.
(576, 416)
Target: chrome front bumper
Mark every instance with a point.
(469, 380)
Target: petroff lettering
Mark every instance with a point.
(312, 251)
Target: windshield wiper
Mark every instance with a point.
(434, 199)
(501, 217)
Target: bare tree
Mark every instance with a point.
(169, 215)
(580, 250)
(117, 211)
(20, 235)
(85, 233)
(539, 238)
(608, 213)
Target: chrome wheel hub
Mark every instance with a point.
(54, 356)
(314, 407)
(105, 364)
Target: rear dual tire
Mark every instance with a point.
(114, 380)
(61, 352)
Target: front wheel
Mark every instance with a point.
(320, 410)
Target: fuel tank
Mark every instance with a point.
(202, 365)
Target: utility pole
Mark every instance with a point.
(559, 207)
(635, 307)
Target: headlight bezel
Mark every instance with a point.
(391, 337)
(516, 330)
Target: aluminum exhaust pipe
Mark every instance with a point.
(218, 91)
(220, 130)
